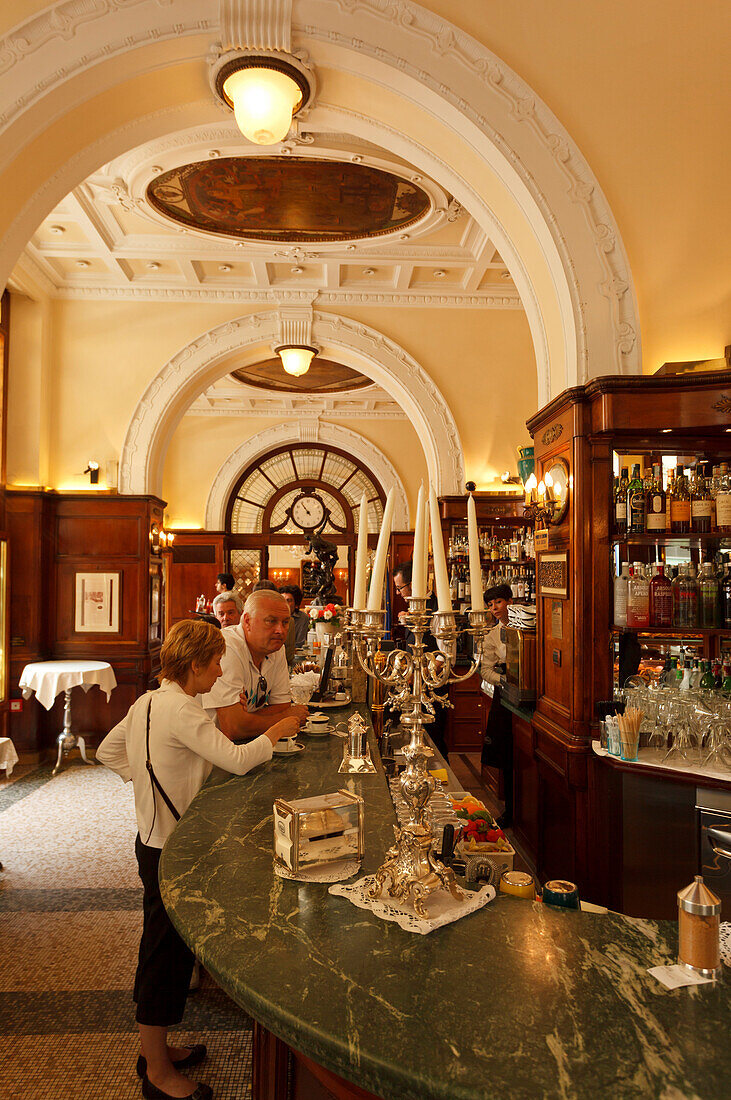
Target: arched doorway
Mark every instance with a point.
(286, 494)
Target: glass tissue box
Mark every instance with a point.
(321, 829)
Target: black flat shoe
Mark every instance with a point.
(152, 1092)
(197, 1054)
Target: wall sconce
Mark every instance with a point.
(296, 358)
(93, 471)
(265, 90)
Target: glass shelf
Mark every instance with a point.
(671, 631)
(693, 540)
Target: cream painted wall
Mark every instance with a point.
(644, 89)
(100, 357)
(202, 443)
(29, 392)
(484, 365)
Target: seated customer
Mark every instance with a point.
(228, 608)
(225, 582)
(168, 730)
(293, 595)
(253, 691)
(289, 641)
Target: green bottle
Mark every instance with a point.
(636, 504)
(708, 681)
(726, 686)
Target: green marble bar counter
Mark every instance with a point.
(516, 1000)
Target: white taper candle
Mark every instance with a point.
(444, 598)
(418, 576)
(361, 557)
(375, 592)
(478, 602)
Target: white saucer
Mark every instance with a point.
(280, 749)
(319, 730)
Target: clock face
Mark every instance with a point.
(308, 512)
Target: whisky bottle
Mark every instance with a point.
(723, 500)
(620, 504)
(680, 504)
(708, 597)
(656, 504)
(635, 504)
(700, 505)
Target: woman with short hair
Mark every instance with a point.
(167, 746)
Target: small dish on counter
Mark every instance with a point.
(287, 747)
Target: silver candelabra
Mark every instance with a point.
(414, 680)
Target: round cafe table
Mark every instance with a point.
(47, 679)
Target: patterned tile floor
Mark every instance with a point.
(70, 919)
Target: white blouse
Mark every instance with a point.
(184, 746)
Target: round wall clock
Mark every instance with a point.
(307, 511)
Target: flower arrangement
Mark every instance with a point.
(330, 613)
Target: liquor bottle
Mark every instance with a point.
(708, 597)
(638, 600)
(726, 685)
(713, 490)
(620, 505)
(454, 585)
(725, 615)
(661, 599)
(717, 677)
(656, 504)
(635, 504)
(621, 584)
(723, 500)
(677, 603)
(669, 677)
(461, 584)
(701, 505)
(495, 550)
(680, 504)
(685, 683)
(708, 681)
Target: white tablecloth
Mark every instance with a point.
(47, 679)
(8, 755)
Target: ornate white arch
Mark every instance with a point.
(359, 448)
(577, 285)
(205, 359)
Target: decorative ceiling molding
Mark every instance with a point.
(360, 449)
(466, 87)
(170, 394)
(256, 24)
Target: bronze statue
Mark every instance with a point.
(327, 556)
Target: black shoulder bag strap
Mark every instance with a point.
(154, 781)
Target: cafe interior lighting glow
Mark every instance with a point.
(265, 92)
(296, 358)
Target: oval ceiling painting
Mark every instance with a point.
(324, 376)
(287, 199)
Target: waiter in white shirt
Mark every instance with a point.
(253, 690)
(497, 750)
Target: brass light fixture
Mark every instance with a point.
(265, 91)
(296, 358)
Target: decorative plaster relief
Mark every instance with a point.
(257, 446)
(196, 366)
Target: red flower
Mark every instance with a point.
(330, 607)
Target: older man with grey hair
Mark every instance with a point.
(228, 608)
(253, 691)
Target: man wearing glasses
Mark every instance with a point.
(253, 692)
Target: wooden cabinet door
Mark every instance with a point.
(466, 722)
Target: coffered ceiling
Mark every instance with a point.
(106, 240)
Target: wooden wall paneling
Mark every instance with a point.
(525, 782)
(195, 560)
(466, 722)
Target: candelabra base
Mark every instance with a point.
(413, 871)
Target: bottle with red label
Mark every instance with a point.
(661, 599)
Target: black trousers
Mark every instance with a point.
(165, 964)
(497, 749)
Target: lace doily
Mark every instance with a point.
(726, 942)
(323, 872)
(441, 906)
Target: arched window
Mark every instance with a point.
(279, 500)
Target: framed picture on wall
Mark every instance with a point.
(553, 575)
(97, 603)
(155, 600)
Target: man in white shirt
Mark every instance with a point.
(253, 691)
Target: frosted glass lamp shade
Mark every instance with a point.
(296, 358)
(264, 101)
